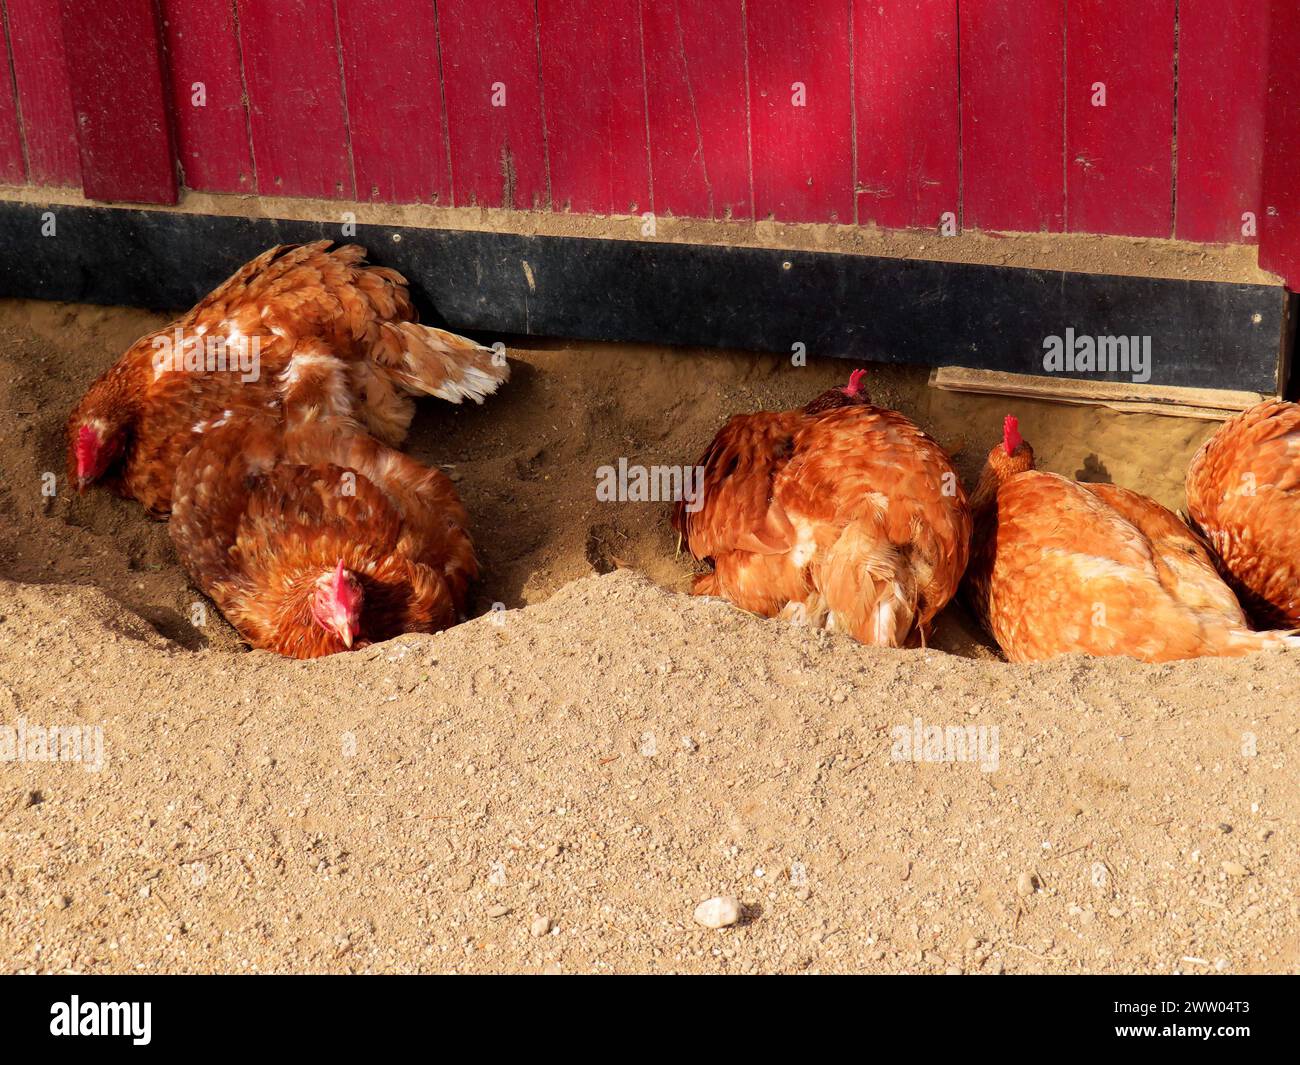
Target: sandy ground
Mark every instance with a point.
(606, 753)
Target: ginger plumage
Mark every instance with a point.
(1243, 492)
(1060, 567)
(311, 535)
(138, 420)
(841, 515)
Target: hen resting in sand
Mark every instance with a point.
(310, 535)
(840, 515)
(1243, 491)
(140, 418)
(1060, 567)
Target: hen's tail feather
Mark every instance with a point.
(1245, 641)
(435, 362)
(869, 587)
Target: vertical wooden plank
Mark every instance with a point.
(594, 88)
(295, 94)
(123, 127)
(697, 107)
(1279, 234)
(1012, 96)
(493, 89)
(394, 96)
(906, 104)
(1119, 156)
(206, 81)
(13, 170)
(1222, 88)
(803, 140)
(41, 74)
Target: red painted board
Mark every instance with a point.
(394, 95)
(295, 95)
(697, 107)
(1221, 94)
(906, 104)
(44, 100)
(1012, 95)
(123, 127)
(594, 88)
(207, 95)
(1119, 157)
(803, 152)
(1279, 234)
(493, 87)
(13, 171)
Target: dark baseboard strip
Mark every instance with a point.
(1202, 334)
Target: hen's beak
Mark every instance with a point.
(81, 484)
(347, 634)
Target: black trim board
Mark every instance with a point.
(1203, 334)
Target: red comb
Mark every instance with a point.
(87, 445)
(855, 382)
(1010, 434)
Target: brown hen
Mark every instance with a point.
(841, 515)
(1243, 491)
(138, 420)
(313, 537)
(1060, 567)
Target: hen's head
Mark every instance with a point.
(1013, 455)
(856, 389)
(93, 446)
(336, 603)
(855, 392)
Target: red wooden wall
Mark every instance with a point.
(886, 112)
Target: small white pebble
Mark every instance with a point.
(718, 912)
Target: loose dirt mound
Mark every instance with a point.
(608, 759)
(613, 753)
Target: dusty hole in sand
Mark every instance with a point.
(525, 462)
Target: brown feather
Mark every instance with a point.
(257, 522)
(1243, 492)
(843, 515)
(1059, 567)
(286, 298)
